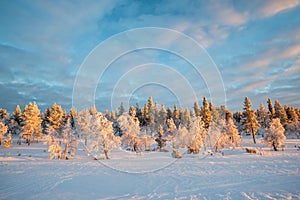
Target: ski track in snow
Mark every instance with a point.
(236, 175)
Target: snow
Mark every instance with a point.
(27, 173)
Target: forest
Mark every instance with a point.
(148, 128)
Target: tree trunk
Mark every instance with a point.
(274, 146)
(253, 136)
(66, 151)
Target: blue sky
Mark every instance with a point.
(254, 44)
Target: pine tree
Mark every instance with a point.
(56, 117)
(280, 113)
(3, 115)
(121, 109)
(275, 134)
(145, 115)
(250, 124)
(262, 116)
(185, 119)
(150, 102)
(138, 113)
(160, 140)
(169, 113)
(292, 114)
(206, 114)
(162, 116)
(93, 110)
(69, 139)
(82, 124)
(271, 111)
(214, 112)
(198, 134)
(17, 115)
(233, 133)
(197, 109)
(32, 123)
(3, 131)
(176, 116)
(107, 115)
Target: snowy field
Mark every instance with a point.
(26, 173)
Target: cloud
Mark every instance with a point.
(270, 8)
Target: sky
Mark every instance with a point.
(245, 48)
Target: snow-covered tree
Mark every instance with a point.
(262, 116)
(271, 110)
(3, 131)
(162, 118)
(205, 113)
(32, 123)
(56, 116)
(82, 124)
(214, 113)
(280, 113)
(233, 134)
(3, 115)
(160, 140)
(69, 140)
(176, 116)
(292, 114)
(121, 109)
(275, 134)
(130, 132)
(250, 124)
(197, 109)
(15, 121)
(102, 140)
(192, 139)
(185, 119)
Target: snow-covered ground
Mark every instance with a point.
(26, 173)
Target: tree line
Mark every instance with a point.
(148, 128)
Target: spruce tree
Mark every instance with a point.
(3, 131)
(56, 117)
(275, 134)
(280, 113)
(250, 124)
(121, 109)
(197, 109)
(32, 123)
(271, 111)
(262, 116)
(206, 114)
(162, 116)
(169, 113)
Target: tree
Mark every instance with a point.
(3, 131)
(280, 113)
(3, 115)
(185, 119)
(121, 109)
(32, 123)
(214, 113)
(262, 116)
(93, 110)
(275, 134)
(102, 139)
(56, 116)
(69, 139)
(176, 116)
(206, 114)
(197, 109)
(130, 132)
(233, 134)
(82, 124)
(250, 124)
(169, 113)
(160, 140)
(292, 114)
(162, 118)
(271, 111)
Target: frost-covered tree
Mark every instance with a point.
(162, 118)
(250, 124)
(3, 131)
(292, 114)
(169, 113)
(214, 113)
(233, 133)
(131, 132)
(293, 129)
(185, 119)
(56, 116)
(121, 109)
(271, 110)
(171, 128)
(32, 123)
(176, 116)
(69, 139)
(160, 140)
(280, 113)
(3, 115)
(82, 124)
(193, 139)
(275, 134)
(206, 114)
(262, 116)
(197, 109)
(15, 121)
(93, 110)
(102, 140)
